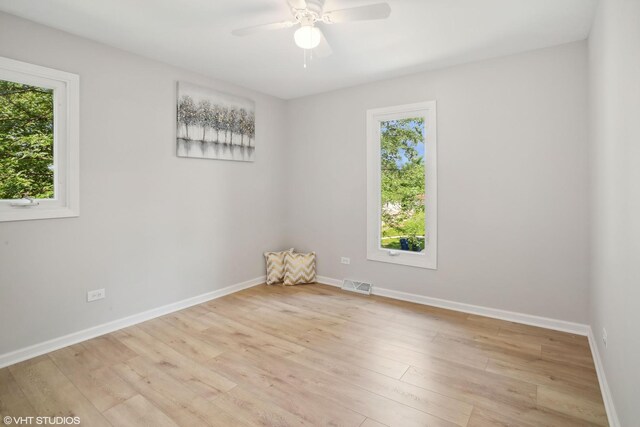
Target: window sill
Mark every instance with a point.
(33, 213)
(411, 259)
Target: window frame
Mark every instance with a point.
(428, 259)
(66, 158)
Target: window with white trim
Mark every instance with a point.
(402, 185)
(39, 109)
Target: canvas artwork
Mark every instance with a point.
(214, 125)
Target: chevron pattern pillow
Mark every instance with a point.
(275, 266)
(299, 268)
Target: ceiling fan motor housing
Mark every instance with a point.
(315, 6)
(311, 14)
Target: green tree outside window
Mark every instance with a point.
(403, 183)
(26, 141)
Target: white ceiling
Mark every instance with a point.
(419, 35)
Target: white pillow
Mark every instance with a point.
(299, 268)
(275, 266)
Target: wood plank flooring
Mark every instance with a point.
(313, 356)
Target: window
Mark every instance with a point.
(38, 142)
(401, 185)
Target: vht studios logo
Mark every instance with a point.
(42, 421)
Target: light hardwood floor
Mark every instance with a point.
(313, 356)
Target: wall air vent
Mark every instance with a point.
(359, 287)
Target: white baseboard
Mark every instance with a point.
(511, 316)
(612, 415)
(328, 281)
(76, 337)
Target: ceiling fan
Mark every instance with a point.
(308, 13)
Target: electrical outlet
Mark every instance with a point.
(95, 295)
(345, 260)
(604, 337)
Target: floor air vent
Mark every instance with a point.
(359, 287)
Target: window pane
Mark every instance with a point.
(26, 141)
(403, 184)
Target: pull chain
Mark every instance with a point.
(310, 51)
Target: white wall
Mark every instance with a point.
(153, 228)
(614, 64)
(512, 176)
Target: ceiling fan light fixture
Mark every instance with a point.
(307, 37)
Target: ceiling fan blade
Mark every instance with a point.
(298, 4)
(265, 27)
(362, 13)
(324, 48)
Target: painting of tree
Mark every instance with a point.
(214, 125)
(251, 127)
(241, 124)
(187, 113)
(205, 117)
